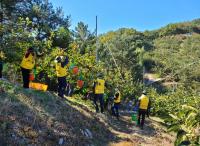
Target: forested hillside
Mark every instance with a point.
(126, 58)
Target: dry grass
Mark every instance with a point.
(123, 144)
(34, 118)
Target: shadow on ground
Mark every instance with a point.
(123, 125)
(38, 118)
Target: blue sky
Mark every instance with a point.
(138, 14)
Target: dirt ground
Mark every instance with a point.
(36, 118)
(129, 134)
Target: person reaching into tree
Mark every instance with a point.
(27, 64)
(61, 72)
(1, 68)
(1, 62)
(99, 86)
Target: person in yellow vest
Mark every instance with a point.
(117, 100)
(1, 68)
(143, 106)
(27, 64)
(61, 72)
(99, 86)
(2, 57)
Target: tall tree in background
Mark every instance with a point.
(43, 21)
(44, 17)
(62, 38)
(8, 12)
(8, 8)
(123, 44)
(83, 37)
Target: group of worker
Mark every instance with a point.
(143, 101)
(1, 62)
(61, 65)
(1, 68)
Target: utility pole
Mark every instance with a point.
(1, 13)
(1, 20)
(143, 67)
(97, 59)
(143, 73)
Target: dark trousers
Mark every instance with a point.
(1, 69)
(69, 89)
(25, 76)
(100, 98)
(148, 112)
(115, 109)
(141, 117)
(62, 83)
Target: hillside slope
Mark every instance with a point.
(29, 117)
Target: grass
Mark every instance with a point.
(29, 117)
(36, 117)
(79, 100)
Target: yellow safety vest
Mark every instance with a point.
(61, 71)
(117, 100)
(99, 87)
(144, 101)
(29, 62)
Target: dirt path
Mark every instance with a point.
(153, 134)
(127, 132)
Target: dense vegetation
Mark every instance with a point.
(175, 59)
(172, 53)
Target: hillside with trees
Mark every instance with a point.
(126, 58)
